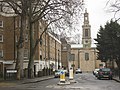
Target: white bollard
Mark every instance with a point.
(71, 73)
(71, 76)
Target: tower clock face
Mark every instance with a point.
(86, 41)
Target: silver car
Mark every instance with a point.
(57, 73)
(78, 71)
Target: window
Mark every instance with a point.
(1, 38)
(16, 38)
(40, 57)
(86, 56)
(1, 53)
(25, 54)
(86, 32)
(72, 57)
(1, 23)
(26, 37)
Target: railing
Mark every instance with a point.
(10, 74)
(43, 72)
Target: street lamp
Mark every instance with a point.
(78, 59)
(58, 60)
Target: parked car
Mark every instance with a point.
(105, 73)
(95, 72)
(58, 72)
(78, 71)
(66, 72)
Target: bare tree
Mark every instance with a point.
(57, 13)
(114, 7)
(19, 8)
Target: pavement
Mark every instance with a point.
(9, 83)
(116, 79)
(38, 79)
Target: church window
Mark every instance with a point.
(86, 56)
(72, 57)
(86, 32)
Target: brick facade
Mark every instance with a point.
(46, 54)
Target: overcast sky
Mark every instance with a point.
(98, 14)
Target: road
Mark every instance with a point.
(85, 81)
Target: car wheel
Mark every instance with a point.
(99, 78)
(110, 78)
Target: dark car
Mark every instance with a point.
(105, 73)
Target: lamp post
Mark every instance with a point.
(78, 59)
(118, 36)
(58, 60)
(14, 39)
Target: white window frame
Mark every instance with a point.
(1, 23)
(1, 38)
(26, 54)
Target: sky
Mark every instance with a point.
(98, 14)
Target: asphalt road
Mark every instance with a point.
(84, 81)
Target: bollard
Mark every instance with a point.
(71, 74)
(62, 77)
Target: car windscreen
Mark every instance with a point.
(105, 69)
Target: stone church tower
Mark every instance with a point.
(85, 54)
(86, 37)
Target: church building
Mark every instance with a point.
(84, 55)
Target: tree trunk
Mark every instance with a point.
(118, 64)
(19, 63)
(31, 59)
(20, 49)
(31, 33)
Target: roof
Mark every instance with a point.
(81, 46)
(76, 45)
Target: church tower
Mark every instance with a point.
(86, 31)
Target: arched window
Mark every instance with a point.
(86, 32)
(86, 56)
